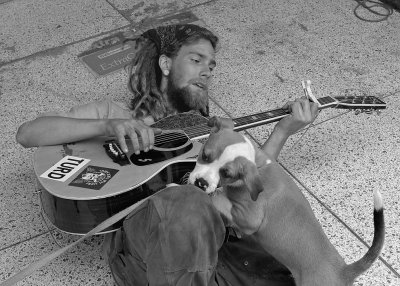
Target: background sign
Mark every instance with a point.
(115, 52)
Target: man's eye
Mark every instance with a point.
(196, 60)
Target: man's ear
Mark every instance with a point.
(165, 64)
(217, 123)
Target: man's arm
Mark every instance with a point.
(79, 123)
(303, 112)
(85, 122)
(53, 130)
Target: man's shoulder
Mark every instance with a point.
(118, 109)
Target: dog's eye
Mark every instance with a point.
(224, 172)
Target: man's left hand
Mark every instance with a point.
(302, 113)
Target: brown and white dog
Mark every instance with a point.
(260, 199)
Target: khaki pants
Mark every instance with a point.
(178, 238)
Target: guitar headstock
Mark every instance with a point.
(360, 103)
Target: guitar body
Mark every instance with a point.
(100, 188)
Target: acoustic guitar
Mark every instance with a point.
(84, 183)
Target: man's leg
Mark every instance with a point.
(172, 239)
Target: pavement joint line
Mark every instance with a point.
(62, 46)
(4, 1)
(25, 240)
(117, 10)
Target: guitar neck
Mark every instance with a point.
(254, 120)
(249, 121)
(240, 123)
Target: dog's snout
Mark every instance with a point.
(201, 183)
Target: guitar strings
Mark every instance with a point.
(171, 137)
(194, 131)
(249, 119)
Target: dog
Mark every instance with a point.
(256, 196)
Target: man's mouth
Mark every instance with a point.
(200, 85)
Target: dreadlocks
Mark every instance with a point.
(145, 73)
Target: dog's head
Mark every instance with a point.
(227, 158)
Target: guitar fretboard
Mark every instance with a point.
(254, 120)
(261, 118)
(241, 123)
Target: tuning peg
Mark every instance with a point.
(357, 111)
(368, 111)
(378, 112)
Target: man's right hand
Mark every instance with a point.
(141, 135)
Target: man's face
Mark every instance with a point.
(190, 76)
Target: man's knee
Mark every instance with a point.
(187, 206)
(182, 208)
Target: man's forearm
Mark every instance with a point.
(53, 130)
(275, 143)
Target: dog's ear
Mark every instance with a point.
(218, 123)
(245, 170)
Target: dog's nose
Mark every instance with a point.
(201, 183)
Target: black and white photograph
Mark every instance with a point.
(200, 143)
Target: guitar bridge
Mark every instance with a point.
(114, 151)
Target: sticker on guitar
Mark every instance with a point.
(93, 177)
(65, 168)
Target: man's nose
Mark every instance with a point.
(201, 183)
(206, 72)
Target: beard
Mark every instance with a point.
(187, 98)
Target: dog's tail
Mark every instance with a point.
(357, 268)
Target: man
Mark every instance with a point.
(174, 238)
